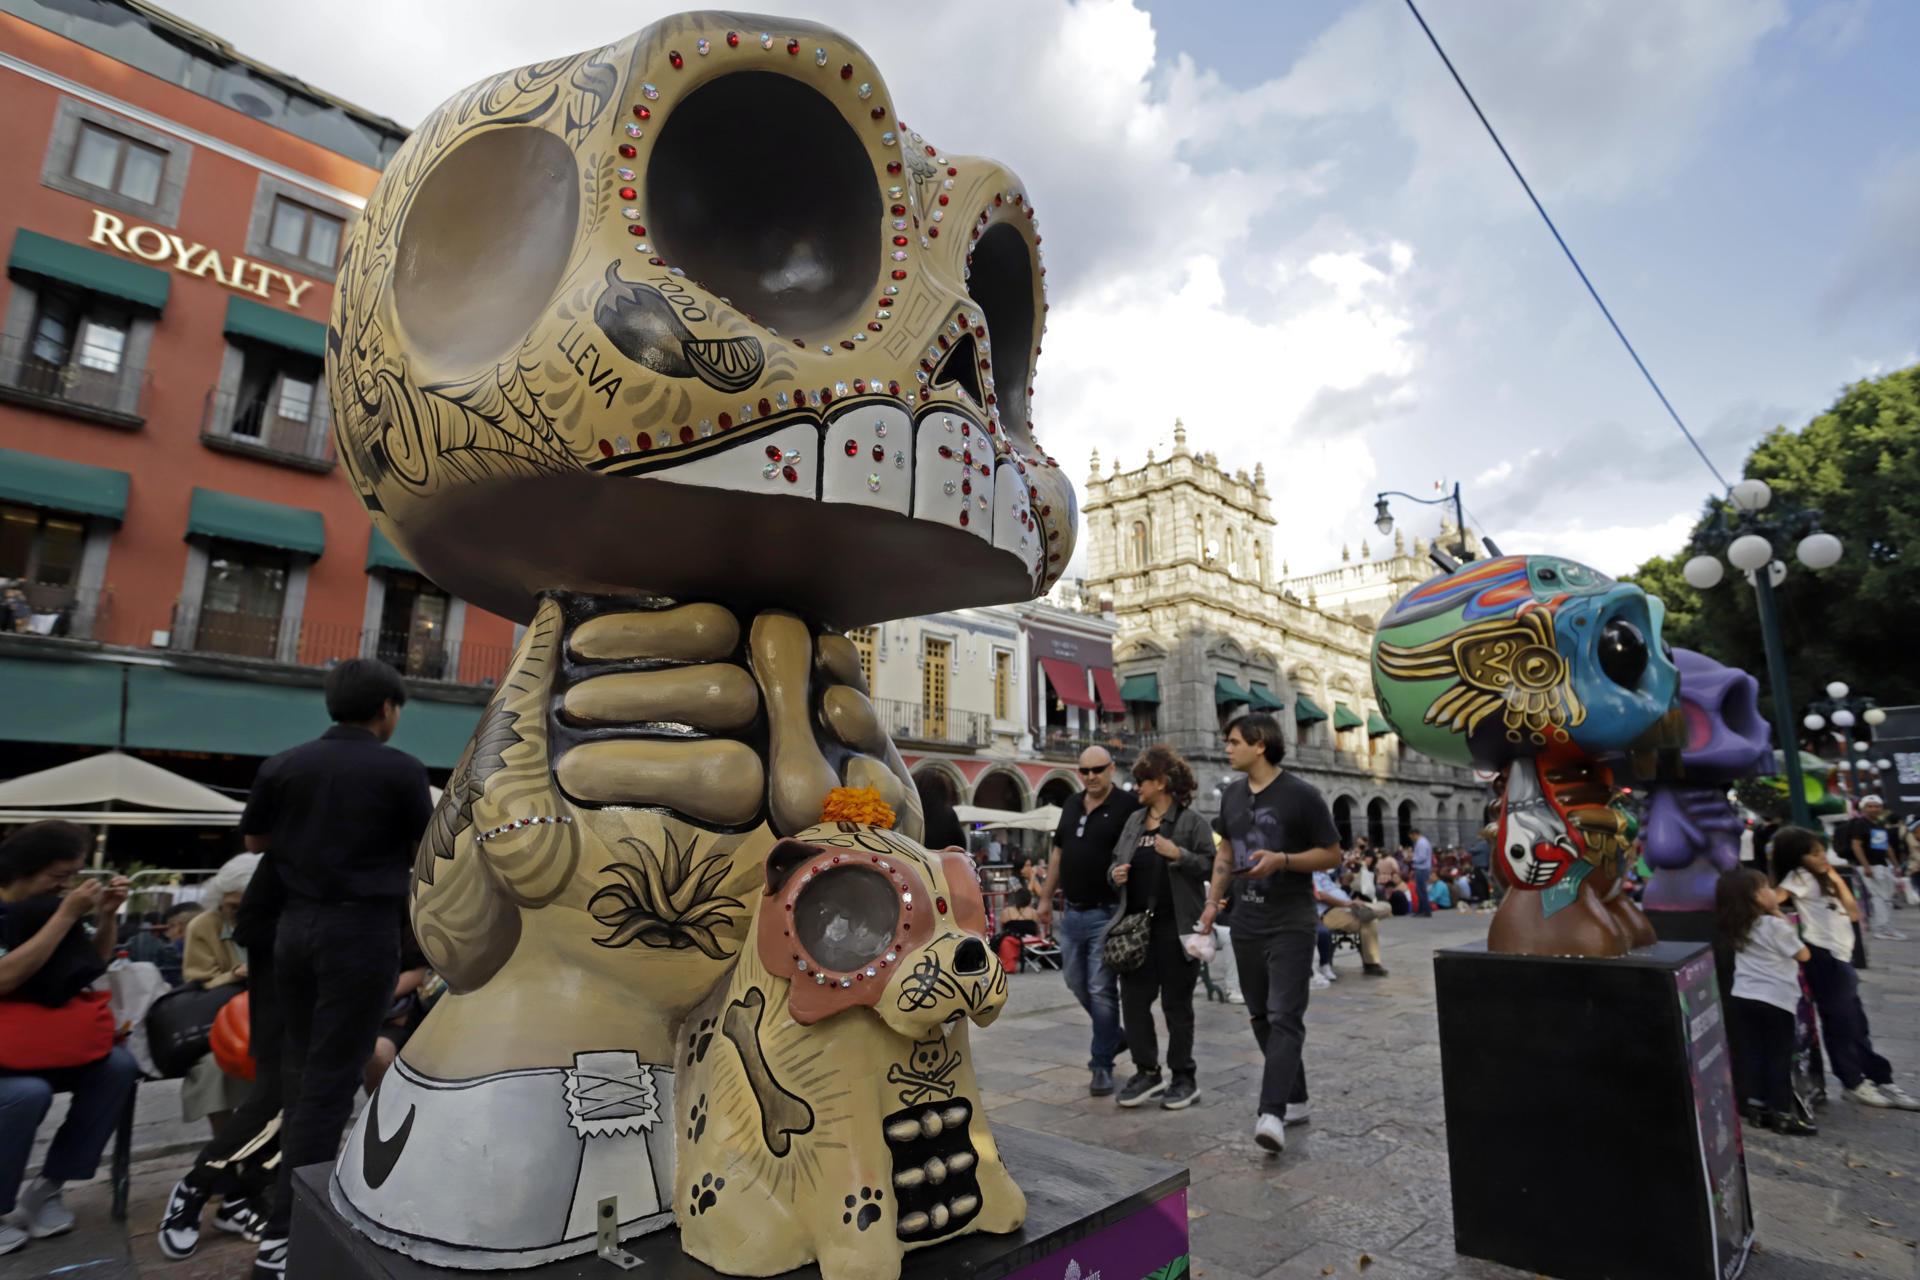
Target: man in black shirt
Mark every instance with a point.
(341, 816)
(1278, 832)
(1083, 844)
(1873, 845)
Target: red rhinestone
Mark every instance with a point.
(945, 452)
(1046, 510)
(893, 388)
(893, 166)
(899, 210)
(943, 199)
(635, 229)
(925, 394)
(998, 200)
(799, 342)
(799, 397)
(847, 343)
(899, 275)
(627, 150)
(879, 453)
(963, 517)
(930, 151)
(853, 448)
(726, 420)
(773, 453)
(874, 325)
(990, 399)
(646, 441)
(846, 71)
(952, 172)
(966, 486)
(943, 342)
(966, 456)
(686, 435)
(733, 39)
(926, 366)
(966, 429)
(606, 450)
(1054, 558)
(766, 406)
(933, 232)
(643, 113)
(878, 112)
(990, 429)
(793, 46)
(900, 241)
(677, 61)
(793, 477)
(985, 364)
(940, 905)
(979, 331)
(658, 262)
(628, 193)
(860, 385)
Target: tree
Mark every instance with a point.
(1858, 464)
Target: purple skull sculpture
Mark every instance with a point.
(1692, 833)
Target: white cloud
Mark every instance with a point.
(1616, 549)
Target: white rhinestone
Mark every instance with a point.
(866, 91)
(887, 138)
(819, 57)
(873, 483)
(633, 130)
(630, 213)
(625, 175)
(650, 93)
(801, 965)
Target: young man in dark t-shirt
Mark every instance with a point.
(1873, 844)
(1278, 831)
(1083, 843)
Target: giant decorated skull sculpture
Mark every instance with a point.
(688, 353)
(1535, 668)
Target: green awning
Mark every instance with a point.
(77, 703)
(271, 325)
(58, 485)
(1226, 689)
(1306, 711)
(1376, 727)
(94, 271)
(1343, 717)
(171, 710)
(1263, 698)
(382, 554)
(255, 520)
(1140, 688)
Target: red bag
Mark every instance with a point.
(1010, 949)
(36, 1038)
(230, 1040)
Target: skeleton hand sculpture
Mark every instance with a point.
(1535, 667)
(685, 350)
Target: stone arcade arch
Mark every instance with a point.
(1407, 821)
(1057, 788)
(1377, 822)
(1343, 807)
(946, 775)
(1000, 788)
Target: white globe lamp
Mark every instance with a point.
(1750, 551)
(1883, 764)
(1703, 573)
(1861, 746)
(1843, 719)
(1752, 495)
(1837, 690)
(1875, 716)
(1815, 723)
(1819, 551)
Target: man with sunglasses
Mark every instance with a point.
(1082, 852)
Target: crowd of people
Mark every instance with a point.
(311, 921)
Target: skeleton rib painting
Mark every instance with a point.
(687, 352)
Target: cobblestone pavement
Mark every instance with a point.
(1361, 1189)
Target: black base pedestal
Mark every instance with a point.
(1592, 1132)
(1682, 926)
(1108, 1212)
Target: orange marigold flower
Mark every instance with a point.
(857, 804)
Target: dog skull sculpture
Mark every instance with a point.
(686, 351)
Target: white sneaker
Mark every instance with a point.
(1867, 1093)
(1326, 971)
(1889, 935)
(1298, 1113)
(11, 1237)
(1270, 1133)
(1234, 997)
(1318, 981)
(1899, 1097)
(41, 1211)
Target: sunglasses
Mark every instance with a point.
(1093, 773)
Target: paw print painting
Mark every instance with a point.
(578, 380)
(864, 1211)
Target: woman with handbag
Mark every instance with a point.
(56, 1035)
(1161, 863)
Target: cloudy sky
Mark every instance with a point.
(1278, 220)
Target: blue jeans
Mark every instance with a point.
(99, 1092)
(1089, 978)
(1421, 875)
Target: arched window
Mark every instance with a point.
(1200, 536)
(1137, 549)
(1259, 564)
(1233, 554)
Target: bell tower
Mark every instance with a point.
(1183, 511)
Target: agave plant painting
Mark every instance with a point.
(666, 901)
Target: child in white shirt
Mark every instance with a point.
(1767, 954)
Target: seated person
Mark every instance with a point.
(213, 959)
(56, 1036)
(163, 945)
(1341, 913)
(1440, 895)
(1020, 918)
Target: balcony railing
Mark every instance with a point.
(258, 427)
(60, 612)
(303, 642)
(1057, 743)
(910, 721)
(116, 397)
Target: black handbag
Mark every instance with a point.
(1125, 946)
(180, 1023)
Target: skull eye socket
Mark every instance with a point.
(845, 918)
(468, 288)
(760, 189)
(1623, 653)
(1001, 285)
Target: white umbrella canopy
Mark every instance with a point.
(112, 777)
(1045, 818)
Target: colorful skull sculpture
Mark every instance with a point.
(686, 351)
(1693, 834)
(1535, 667)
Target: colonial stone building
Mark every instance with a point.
(1211, 624)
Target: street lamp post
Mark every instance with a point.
(1383, 518)
(1841, 712)
(1746, 535)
